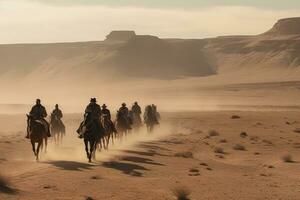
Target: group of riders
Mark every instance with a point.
(95, 114)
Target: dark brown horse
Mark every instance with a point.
(37, 134)
(150, 118)
(122, 124)
(58, 129)
(92, 134)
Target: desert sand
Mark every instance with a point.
(211, 153)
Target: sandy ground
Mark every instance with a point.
(182, 153)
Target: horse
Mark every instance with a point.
(150, 119)
(92, 135)
(37, 134)
(122, 124)
(108, 133)
(136, 121)
(57, 129)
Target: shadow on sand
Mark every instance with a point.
(144, 153)
(140, 160)
(126, 168)
(70, 165)
(5, 188)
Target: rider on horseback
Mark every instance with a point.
(136, 109)
(95, 112)
(124, 111)
(107, 117)
(38, 112)
(57, 113)
(136, 112)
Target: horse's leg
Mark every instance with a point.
(38, 150)
(92, 148)
(46, 144)
(86, 148)
(33, 147)
(61, 137)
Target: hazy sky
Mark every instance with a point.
(81, 20)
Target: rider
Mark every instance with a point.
(58, 114)
(155, 113)
(107, 117)
(95, 110)
(136, 109)
(38, 112)
(124, 111)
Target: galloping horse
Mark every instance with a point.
(37, 133)
(122, 124)
(92, 134)
(57, 129)
(150, 118)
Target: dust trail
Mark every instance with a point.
(72, 148)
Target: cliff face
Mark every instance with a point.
(120, 35)
(289, 26)
(125, 54)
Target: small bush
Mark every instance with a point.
(213, 133)
(297, 130)
(182, 193)
(243, 134)
(194, 170)
(239, 147)
(219, 150)
(186, 154)
(235, 117)
(287, 158)
(223, 141)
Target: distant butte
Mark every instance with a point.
(120, 35)
(288, 26)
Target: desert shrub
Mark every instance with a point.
(297, 130)
(243, 134)
(213, 133)
(182, 193)
(223, 141)
(287, 158)
(239, 147)
(219, 150)
(194, 170)
(186, 154)
(235, 117)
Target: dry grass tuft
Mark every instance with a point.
(223, 141)
(243, 134)
(235, 117)
(287, 158)
(182, 193)
(213, 133)
(239, 147)
(186, 154)
(297, 130)
(219, 150)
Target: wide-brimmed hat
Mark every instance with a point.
(104, 106)
(93, 100)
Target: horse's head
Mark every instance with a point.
(29, 117)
